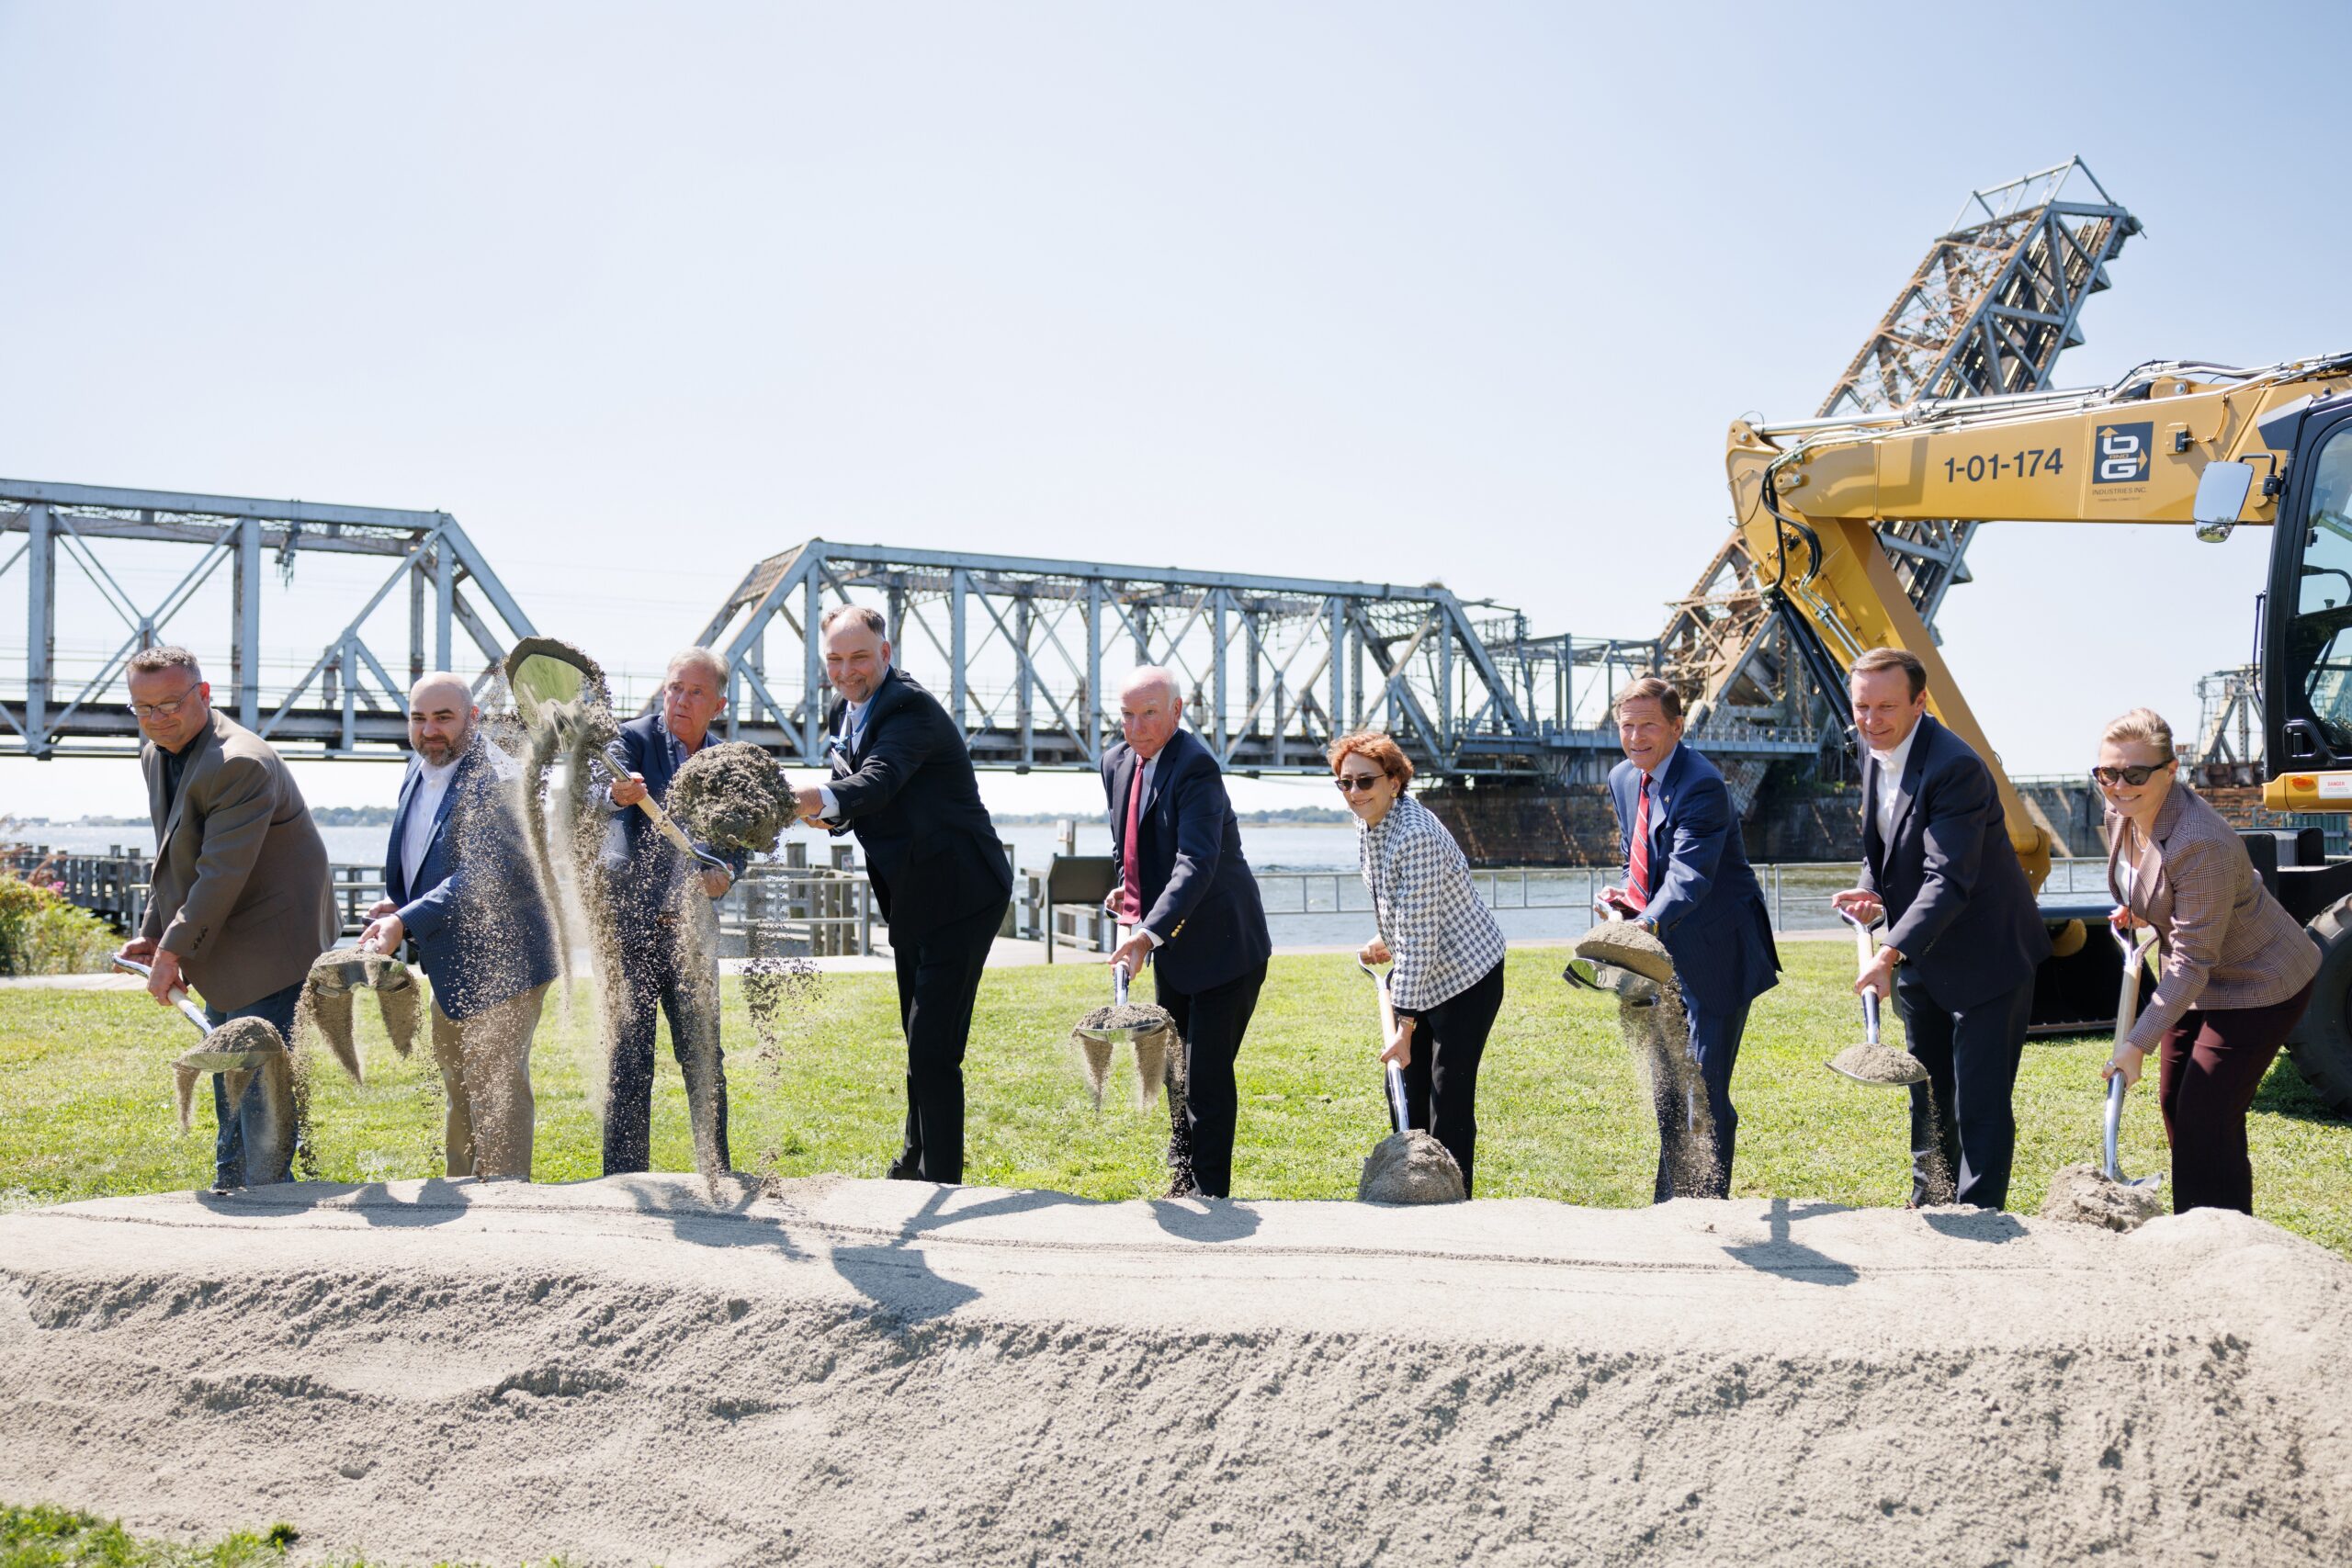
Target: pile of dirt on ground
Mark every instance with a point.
(734, 795)
(1410, 1167)
(2083, 1195)
(629, 1371)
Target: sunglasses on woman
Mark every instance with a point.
(1351, 782)
(2135, 777)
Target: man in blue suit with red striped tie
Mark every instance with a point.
(1687, 880)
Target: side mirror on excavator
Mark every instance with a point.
(2221, 491)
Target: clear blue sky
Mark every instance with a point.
(1395, 291)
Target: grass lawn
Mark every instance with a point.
(85, 1100)
(44, 1537)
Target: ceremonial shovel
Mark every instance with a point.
(1395, 1074)
(1908, 1069)
(550, 679)
(238, 1063)
(2127, 1013)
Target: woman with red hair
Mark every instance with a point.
(1447, 984)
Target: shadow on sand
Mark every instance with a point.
(1791, 1259)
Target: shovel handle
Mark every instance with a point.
(1119, 985)
(667, 825)
(1387, 1008)
(1394, 1076)
(2136, 968)
(177, 995)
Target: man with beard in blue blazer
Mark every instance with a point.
(462, 891)
(1687, 881)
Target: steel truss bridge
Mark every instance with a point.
(1027, 655)
(83, 538)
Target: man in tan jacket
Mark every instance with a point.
(240, 900)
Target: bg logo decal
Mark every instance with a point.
(2123, 453)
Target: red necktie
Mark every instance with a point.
(1637, 879)
(1130, 877)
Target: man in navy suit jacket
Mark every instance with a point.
(665, 927)
(463, 892)
(1965, 935)
(1192, 903)
(1687, 881)
(902, 781)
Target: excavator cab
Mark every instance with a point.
(2307, 717)
(2307, 652)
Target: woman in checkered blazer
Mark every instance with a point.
(1447, 984)
(2237, 967)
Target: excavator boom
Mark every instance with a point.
(2169, 443)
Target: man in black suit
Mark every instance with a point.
(1193, 905)
(1964, 935)
(902, 781)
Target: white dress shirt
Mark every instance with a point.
(1150, 769)
(853, 726)
(432, 784)
(1890, 782)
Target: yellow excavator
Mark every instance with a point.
(2206, 446)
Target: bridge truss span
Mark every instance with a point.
(109, 572)
(1028, 654)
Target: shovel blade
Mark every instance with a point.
(1914, 1073)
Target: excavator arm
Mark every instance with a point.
(2169, 443)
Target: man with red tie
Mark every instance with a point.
(1687, 880)
(1191, 903)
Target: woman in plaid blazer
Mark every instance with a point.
(1448, 981)
(2235, 968)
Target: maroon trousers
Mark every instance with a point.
(2209, 1066)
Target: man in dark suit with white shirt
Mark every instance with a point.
(1191, 903)
(1964, 935)
(1687, 879)
(902, 781)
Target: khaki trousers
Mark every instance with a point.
(485, 1063)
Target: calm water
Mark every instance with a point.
(1307, 875)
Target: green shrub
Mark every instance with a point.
(41, 932)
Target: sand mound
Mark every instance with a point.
(890, 1372)
(2081, 1194)
(1410, 1167)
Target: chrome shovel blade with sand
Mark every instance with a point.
(1141, 1024)
(238, 1050)
(1407, 1166)
(324, 1010)
(1873, 1062)
(2102, 1194)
